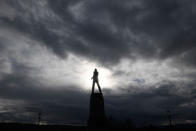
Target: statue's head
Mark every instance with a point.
(95, 69)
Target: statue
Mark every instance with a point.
(95, 80)
(97, 119)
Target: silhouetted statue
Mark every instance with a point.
(95, 80)
(97, 119)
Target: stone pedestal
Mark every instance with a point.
(97, 118)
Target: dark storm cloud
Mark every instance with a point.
(103, 31)
(149, 106)
(64, 106)
(148, 29)
(19, 91)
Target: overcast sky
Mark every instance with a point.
(144, 51)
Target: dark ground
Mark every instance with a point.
(32, 127)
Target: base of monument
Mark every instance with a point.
(97, 118)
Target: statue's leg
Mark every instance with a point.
(93, 86)
(99, 86)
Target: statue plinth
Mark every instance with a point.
(97, 118)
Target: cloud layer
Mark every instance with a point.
(148, 48)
